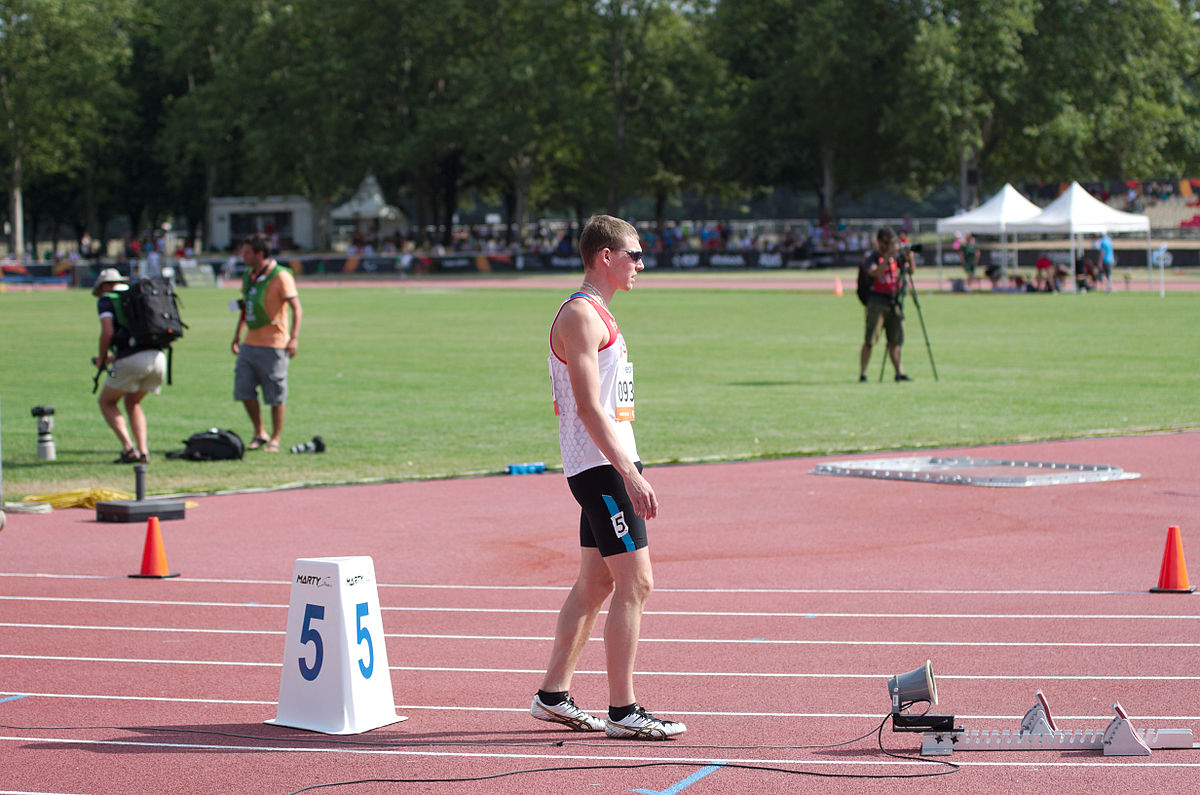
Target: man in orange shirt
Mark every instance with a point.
(268, 289)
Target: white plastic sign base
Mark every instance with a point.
(335, 677)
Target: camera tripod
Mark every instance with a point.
(906, 282)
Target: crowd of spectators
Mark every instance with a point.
(149, 245)
(1134, 195)
(797, 237)
(801, 238)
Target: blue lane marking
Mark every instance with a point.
(614, 512)
(687, 782)
(11, 698)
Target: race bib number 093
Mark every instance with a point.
(625, 393)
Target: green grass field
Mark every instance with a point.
(411, 382)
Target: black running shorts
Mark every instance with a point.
(607, 520)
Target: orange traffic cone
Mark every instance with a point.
(1172, 578)
(837, 285)
(154, 557)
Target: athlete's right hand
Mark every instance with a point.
(641, 494)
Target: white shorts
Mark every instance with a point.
(143, 371)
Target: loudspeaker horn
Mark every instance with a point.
(916, 685)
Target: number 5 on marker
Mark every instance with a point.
(309, 634)
(363, 634)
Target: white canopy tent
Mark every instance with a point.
(368, 212)
(367, 203)
(995, 216)
(1077, 212)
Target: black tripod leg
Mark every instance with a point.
(924, 333)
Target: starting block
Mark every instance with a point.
(140, 509)
(335, 677)
(1039, 733)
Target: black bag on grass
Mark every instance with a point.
(212, 445)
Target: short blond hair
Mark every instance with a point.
(601, 232)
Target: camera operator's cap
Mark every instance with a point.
(108, 276)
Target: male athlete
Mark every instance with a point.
(592, 379)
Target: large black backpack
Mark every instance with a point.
(149, 310)
(864, 282)
(211, 445)
(151, 313)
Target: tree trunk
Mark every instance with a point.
(32, 237)
(17, 210)
(320, 209)
(210, 181)
(450, 176)
(102, 236)
(521, 178)
(419, 192)
(968, 179)
(828, 152)
(617, 168)
(510, 207)
(660, 213)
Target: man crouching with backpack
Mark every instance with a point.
(136, 370)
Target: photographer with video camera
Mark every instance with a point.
(881, 269)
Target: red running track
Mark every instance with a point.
(784, 602)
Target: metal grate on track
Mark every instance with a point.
(966, 471)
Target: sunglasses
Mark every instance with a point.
(636, 256)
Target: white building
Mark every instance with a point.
(290, 217)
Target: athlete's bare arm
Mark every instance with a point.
(576, 338)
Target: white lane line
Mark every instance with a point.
(523, 710)
(701, 760)
(693, 613)
(98, 628)
(704, 641)
(151, 602)
(536, 671)
(563, 588)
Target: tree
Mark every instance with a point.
(408, 75)
(963, 90)
(299, 122)
(200, 142)
(681, 138)
(521, 98)
(59, 61)
(818, 88)
(1051, 91)
(1111, 90)
(269, 101)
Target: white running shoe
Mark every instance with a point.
(565, 713)
(641, 725)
